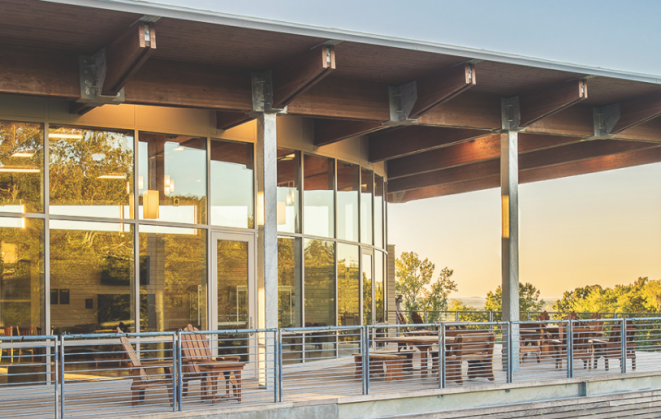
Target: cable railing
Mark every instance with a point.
(125, 374)
(435, 316)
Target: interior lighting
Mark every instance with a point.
(19, 170)
(282, 213)
(141, 182)
(68, 136)
(150, 203)
(25, 154)
(112, 176)
(180, 148)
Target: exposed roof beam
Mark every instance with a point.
(556, 155)
(226, 119)
(469, 110)
(328, 131)
(293, 77)
(539, 104)
(405, 141)
(468, 152)
(105, 74)
(574, 168)
(441, 87)
(637, 111)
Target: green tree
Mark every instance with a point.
(529, 299)
(414, 283)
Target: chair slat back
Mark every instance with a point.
(130, 354)
(205, 349)
(475, 344)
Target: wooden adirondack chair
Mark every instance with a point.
(199, 364)
(141, 380)
(477, 350)
(612, 348)
(530, 340)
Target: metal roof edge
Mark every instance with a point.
(207, 16)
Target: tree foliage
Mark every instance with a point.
(529, 299)
(414, 283)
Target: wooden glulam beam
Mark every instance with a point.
(406, 141)
(638, 111)
(295, 76)
(226, 120)
(468, 152)
(473, 110)
(593, 165)
(441, 87)
(126, 54)
(538, 104)
(329, 131)
(556, 155)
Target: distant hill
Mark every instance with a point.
(478, 302)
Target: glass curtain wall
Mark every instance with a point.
(348, 284)
(348, 181)
(21, 167)
(232, 178)
(289, 282)
(379, 212)
(367, 280)
(319, 283)
(379, 288)
(289, 185)
(367, 189)
(319, 196)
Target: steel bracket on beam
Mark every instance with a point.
(604, 120)
(402, 98)
(262, 93)
(510, 113)
(92, 70)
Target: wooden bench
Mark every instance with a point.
(392, 361)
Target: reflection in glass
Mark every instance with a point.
(348, 285)
(318, 197)
(289, 282)
(348, 182)
(367, 289)
(21, 274)
(172, 178)
(91, 172)
(232, 258)
(232, 192)
(91, 261)
(366, 187)
(21, 167)
(379, 206)
(379, 293)
(173, 278)
(288, 191)
(319, 283)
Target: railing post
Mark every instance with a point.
(56, 375)
(180, 378)
(508, 355)
(570, 349)
(623, 361)
(441, 356)
(276, 361)
(456, 316)
(528, 316)
(176, 401)
(366, 361)
(61, 377)
(280, 372)
(426, 317)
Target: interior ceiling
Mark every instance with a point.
(36, 25)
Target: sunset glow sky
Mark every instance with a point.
(602, 228)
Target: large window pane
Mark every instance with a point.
(172, 179)
(289, 282)
(379, 206)
(319, 199)
(233, 283)
(288, 191)
(368, 278)
(21, 167)
(348, 284)
(319, 283)
(232, 180)
(91, 172)
(173, 278)
(367, 188)
(22, 275)
(348, 182)
(91, 277)
(379, 292)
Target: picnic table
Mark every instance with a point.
(422, 343)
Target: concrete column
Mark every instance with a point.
(267, 217)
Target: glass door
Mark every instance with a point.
(233, 268)
(366, 282)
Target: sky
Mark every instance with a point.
(600, 228)
(614, 34)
